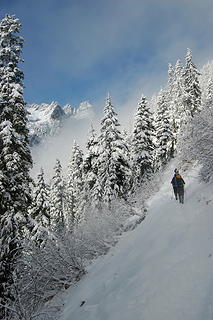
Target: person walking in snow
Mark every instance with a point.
(178, 186)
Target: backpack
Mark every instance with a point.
(179, 180)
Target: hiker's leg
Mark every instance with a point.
(175, 192)
(181, 195)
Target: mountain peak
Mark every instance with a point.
(47, 119)
(85, 110)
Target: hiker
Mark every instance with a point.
(178, 186)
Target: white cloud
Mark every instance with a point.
(88, 35)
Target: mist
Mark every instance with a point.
(60, 146)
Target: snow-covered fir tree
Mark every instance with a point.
(74, 186)
(170, 88)
(209, 94)
(90, 160)
(96, 194)
(178, 95)
(171, 75)
(127, 136)
(40, 208)
(57, 199)
(142, 150)
(175, 99)
(15, 157)
(164, 135)
(192, 99)
(113, 166)
(205, 79)
(90, 168)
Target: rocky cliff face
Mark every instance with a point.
(48, 119)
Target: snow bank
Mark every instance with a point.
(161, 270)
(132, 222)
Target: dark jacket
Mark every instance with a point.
(177, 181)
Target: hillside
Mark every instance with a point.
(161, 270)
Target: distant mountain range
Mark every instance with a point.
(48, 119)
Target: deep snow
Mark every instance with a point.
(161, 270)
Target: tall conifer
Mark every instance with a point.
(113, 166)
(142, 142)
(192, 99)
(57, 199)
(175, 100)
(74, 185)
(90, 167)
(15, 157)
(40, 208)
(164, 134)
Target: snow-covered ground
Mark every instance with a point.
(161, 270)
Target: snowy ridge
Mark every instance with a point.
(47, 119)
(84, 110)
(161, 270)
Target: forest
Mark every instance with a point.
(51, 230)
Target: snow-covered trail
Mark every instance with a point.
(161, 270)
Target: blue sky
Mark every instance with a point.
(82, 49)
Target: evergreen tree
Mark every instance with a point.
(15, 157)
(57, 199)
(171, 76)
(90, 169)
(142, 142)
(175, 100)
(40, 209)
(75, 186)
(209, 94)
(113, 166)
(192, 99)
(97, 194)
(163, 129)
(178, 97)
(205, 81)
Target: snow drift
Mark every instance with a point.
(161, 270)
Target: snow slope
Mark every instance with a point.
(161, 270)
